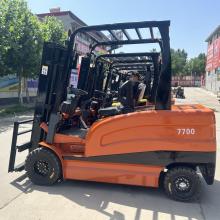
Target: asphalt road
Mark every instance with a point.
(19, 199)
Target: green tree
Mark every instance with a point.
(179, 59)
(4, 40)
(197, 64)
(21, 40)
(53, 30)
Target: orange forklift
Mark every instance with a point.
(165, 146)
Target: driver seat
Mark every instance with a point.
(125, 97)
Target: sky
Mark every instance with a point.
(191, 20)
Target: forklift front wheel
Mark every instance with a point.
(182, 184)
(43, 167)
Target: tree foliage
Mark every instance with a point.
(196, 65)
(21, 39)
(179, 59)
(183, 66)
(53, 30)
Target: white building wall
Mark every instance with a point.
(212, 82)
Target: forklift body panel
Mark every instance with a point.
(150, 140)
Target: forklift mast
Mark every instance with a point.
(52, 86)
(52, 89)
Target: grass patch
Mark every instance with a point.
(14, 109)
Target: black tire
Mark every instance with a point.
(43, 167)
(182, 184)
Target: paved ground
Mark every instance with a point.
(77, 200)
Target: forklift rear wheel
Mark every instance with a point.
(182, 184)
(43, 167)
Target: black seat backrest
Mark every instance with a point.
(128, 93)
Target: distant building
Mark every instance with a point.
(71, 23)
(213, 61)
